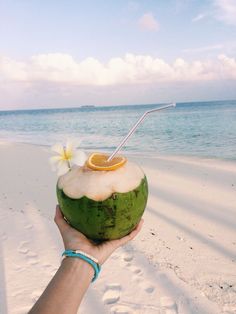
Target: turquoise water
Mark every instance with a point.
(206, 129)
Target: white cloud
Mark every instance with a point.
(199, 17)
(204, 48)
(227, 67)
(148, 22)
(226, 11)
(221, 10)
(131, 69)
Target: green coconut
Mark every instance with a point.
(103, 205)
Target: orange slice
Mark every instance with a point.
(98, 161)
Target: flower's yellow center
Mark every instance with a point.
(67, 155)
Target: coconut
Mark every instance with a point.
(103, 205)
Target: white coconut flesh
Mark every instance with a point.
(99, 185)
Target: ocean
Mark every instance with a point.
(201, 129)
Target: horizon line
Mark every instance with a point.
(109, 106)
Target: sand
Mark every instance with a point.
(183, 261)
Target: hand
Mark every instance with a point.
(75, 240)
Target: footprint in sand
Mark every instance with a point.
(49, 269)
(46, 266)
(169, 305)
(144, 284)
(18, 268)
(22, 248)
(137, 273)
(135, 270)
(16, 294)
(29, 226)
(32, 258)
(127, 257)
(136, 278)
(112, 293)
(32, 254)
(121, 309)
(147, 286)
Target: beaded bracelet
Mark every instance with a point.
(86, 257)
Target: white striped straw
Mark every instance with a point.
(135, 127)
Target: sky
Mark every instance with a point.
(67, 53)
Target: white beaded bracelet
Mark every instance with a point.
(85, 254)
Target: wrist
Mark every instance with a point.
(76, 265)
(91, 260)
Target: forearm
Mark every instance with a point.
(67, 288)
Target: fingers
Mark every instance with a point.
(130, 236)
(60, 221)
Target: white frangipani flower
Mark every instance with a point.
(67, 156)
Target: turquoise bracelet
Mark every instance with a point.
(96, 266)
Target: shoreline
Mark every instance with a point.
(180, 261)
(148, 155)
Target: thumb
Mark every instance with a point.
(60, 221)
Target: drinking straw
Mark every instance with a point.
(135, 127)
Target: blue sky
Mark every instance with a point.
(66, 50)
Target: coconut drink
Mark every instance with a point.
(103, 200)
(103, 196)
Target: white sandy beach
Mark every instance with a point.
(183, 261)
